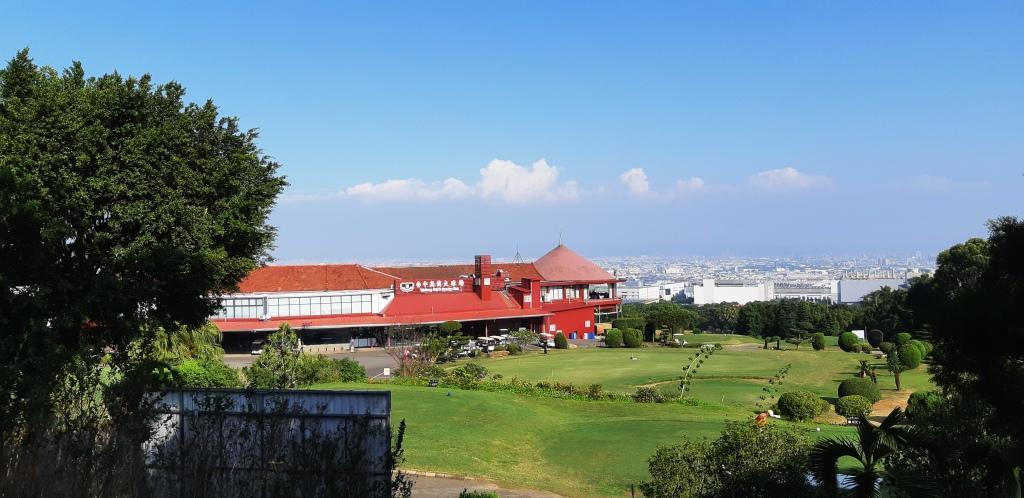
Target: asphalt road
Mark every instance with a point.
(373, 360)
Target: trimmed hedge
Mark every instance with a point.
(613, 338)
(632, 338)
(919, 345)
(801, 405)
(853, 405)
(887, 347)
(629, 322)
(903, 338)
(205, 374)
(860, 386)
(910, 356)
(818, 341)
(875, 337)
(848, 342)
(560, 341)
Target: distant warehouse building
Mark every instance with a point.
(651, 293)
(711, 291)
(853, 290)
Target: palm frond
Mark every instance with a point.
(824, 456)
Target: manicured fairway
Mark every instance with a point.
(574, 448)
(587, 448)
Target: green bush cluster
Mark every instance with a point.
(801, 405)
(629, 322)
(860, 386)
(466, 493)
(648, 395)
(513, 349)
(866, 348)
(613, 338)
(848, 342)
(875, 337)
(316, 369)
(910, 356)
(923, 404)
(903, 338)
(204, 374)
(560, 341)
(886, 347)
(818, 341)
(632, 338)
(853, 405)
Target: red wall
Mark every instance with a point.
(571, 320)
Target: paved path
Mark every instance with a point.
(373, 360)
(444, 487)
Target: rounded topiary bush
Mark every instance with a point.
(560, 341)
(801, 405)
(848, 341)
(860, 386)
(632, 338)
(853, 405)
(910, 356)
(928, 347)
(886, 347)
(919, 345)
(924, 404)
(818, 341)
(903, 338)
(866, 348)
(613, 338)
(875, 337)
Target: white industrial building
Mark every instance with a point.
(711, 291)
(651, 293)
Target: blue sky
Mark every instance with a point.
(444, 129)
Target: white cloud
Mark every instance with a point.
(692, 185)
(787, 179)
(500, 180)
(636, 181)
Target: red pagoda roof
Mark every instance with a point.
(562, 264)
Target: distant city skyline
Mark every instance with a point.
(437, 131)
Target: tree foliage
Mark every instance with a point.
(122, 209)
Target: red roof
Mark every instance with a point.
(562, 264)
(514, 271)
(295, 278)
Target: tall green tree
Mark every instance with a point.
(123, 208)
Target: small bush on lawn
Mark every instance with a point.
(910, 356)
(613, 338)
(866, 348)
(648, 395)
(595, 391)
(629, 322)
(861, 386)
(875, 337)
(801, 405)
(902, 338)
(434, 372)
(632, 338)
(477, 494)
(924, 404)
(560, 341)
(853, 405)
(886, 347)
(514, 349)
(204, 374)
(818, 341)
(848, 341)
(315, 369)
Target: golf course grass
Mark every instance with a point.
(599, 448)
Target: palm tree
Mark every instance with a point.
(871, 448)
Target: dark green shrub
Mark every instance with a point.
(648, 395)
(861, 386)
(514, 349)
(848, 341)
(613, 338)
(818, 341)
(560, 341)
(866, 348)
(886, 347)
(632, 338)
(853, 405)
(204, 374)
(919, 345)
(928, 347)
(629, 322)
(875, 337)
(477, 494)
(902, 338)
(595, 391)
(924, 404)
(434, 372)
(910, 356)
(801, 405)
(315, 369)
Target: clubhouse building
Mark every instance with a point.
(350, 303)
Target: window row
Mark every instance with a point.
(295, 306)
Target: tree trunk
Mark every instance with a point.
(896, 375)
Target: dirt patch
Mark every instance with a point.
(886, 404)
(447, 487)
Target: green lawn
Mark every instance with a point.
(586, 448)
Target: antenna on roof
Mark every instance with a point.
(559, 236)
(519, 258)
